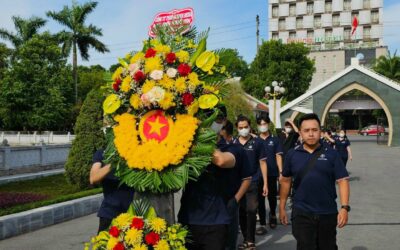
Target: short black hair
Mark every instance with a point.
(228, 127)
(222, 112)
(263, 117)
(307, 117)
(242, 118)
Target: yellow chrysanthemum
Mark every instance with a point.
(168, 101)
(140, 247)
(134, 236)
(126, 84)
(111, 243)
(191, 44)
(194, 78)
(155, 42)
(193, 108)
(152, 63)
(137, 57)
(111, 104)
(183, 56)
(162, 245)
(158, 224)
(122, 220)
(148, 85)
(180, 84)
(208, 101)
(135, 101)
(166, 82)
(162, 49)
(117, 73)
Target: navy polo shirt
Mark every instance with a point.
(117, 197)
(317, 191)
(204, 201)
(273, 147)
(341, 146)
(255, 152)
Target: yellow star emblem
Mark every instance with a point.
(156, 126)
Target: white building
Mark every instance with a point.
(326, 27)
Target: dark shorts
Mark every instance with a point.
(212, 237)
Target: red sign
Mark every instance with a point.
(172, 19)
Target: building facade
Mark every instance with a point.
(326, 26)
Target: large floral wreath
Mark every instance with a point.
(160, 105)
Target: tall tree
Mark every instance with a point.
(389, 66)
(78, 36)
(286, 63)
(25, 28)
(234, 62)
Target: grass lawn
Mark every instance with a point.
(20, 196)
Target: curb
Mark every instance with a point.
(31, 220)
(29, 176)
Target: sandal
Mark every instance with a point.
(261, 230)
(272, 221)
(247, 246)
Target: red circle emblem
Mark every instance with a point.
(156, 126)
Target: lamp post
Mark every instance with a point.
(276, 90)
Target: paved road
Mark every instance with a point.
(374, 220)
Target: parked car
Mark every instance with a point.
(372, 130)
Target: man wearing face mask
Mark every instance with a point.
(289, 137)
(257, 163)
(217, 125)
(342, 145)
(274, 153)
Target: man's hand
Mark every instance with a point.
(342, 218)
(265, 189)
(283, 216)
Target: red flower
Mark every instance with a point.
(152, 238)
(170, 58)
(187, 99)
(137, 223)
(184, 69)
(150, 53)
(119, 246)
(115, 86)
(139, 76)
(114, 231)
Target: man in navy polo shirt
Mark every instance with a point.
(117, 198)
(207, 204)
(273, 149)
(315, 215)
(255, 150)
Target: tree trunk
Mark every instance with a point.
(162, 203)
(75, 70)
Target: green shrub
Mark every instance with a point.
(88, 138)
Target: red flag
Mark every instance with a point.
(354, 25)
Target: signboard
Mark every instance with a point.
(180, 17)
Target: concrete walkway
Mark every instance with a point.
(374, 220)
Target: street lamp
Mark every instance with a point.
(276, 90)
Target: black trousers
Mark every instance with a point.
(233, 209)
(344, 159)
(272, 200)
(314, 232)
(104, 223)
(247, 213)
(211, 237)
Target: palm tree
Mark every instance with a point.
(26, 29)
(389, 66)
(78, 35)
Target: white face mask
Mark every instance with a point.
(288, 129)
(216, 127)
(244, 132)
(263, 128)
(341, 135)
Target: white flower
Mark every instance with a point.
(171, 72)
(155, 94)
(156, 74)
(133, 67)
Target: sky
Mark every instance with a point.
(125, 23)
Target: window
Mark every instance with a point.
(275, 36)
(275, 11)
(346, 33)
(310, 8)
(375, 16)
(282, 24)
(299, 23)
(328, 34)
(367, 33)
(367, 4)
(336, 20)
(317, 21)
(292, 35)
(347, 5)
(310, 34)
(353, 15)
(292, 10)
(328, 6)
